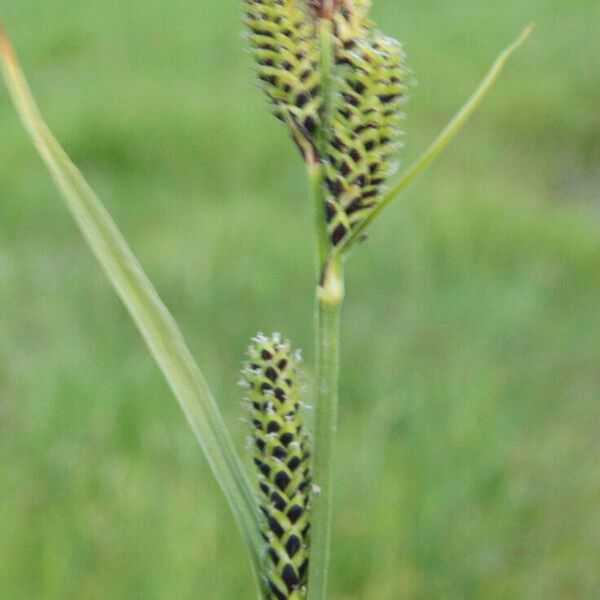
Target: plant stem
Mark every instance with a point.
(317, 191)
(316, 167)
(330, 296)
(325, 68)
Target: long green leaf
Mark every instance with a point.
(153, 320)
(455, 125)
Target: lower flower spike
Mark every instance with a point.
(281, 455)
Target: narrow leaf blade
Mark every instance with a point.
(151, 317)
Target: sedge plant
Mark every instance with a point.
(338, 84)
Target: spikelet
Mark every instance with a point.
(281, 455)
(283, 43)
(365, 130)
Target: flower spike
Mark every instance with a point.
(365, 130)
(281, 455)
(282, 41)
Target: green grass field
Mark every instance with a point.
(469, 455)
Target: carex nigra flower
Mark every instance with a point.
(282, 40)
(281, 455)
(365, 129)
(369, 76)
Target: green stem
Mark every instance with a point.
(325, 68)
(317, 191)
(316, 166)
(330, 295)
(329, 298)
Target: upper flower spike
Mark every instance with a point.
(360, 130)
(283, 43)
(365, 129)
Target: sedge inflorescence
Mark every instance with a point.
(281, 456)
(281, 39)
(357, 139)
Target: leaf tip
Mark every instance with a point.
(524, 34)
(6, 49)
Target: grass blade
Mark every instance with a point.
(455, 125)
(152, 318)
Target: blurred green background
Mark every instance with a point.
(469, 442)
